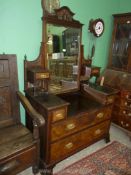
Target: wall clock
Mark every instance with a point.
(96, 27)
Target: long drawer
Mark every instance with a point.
(64, 128)
(71, 144)
(18, 162)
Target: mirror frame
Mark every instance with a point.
(61, 17)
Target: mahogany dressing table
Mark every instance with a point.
(73, 118)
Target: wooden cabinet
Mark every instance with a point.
(122, 109)
(121, 113)
(120, 53)
(118, 73)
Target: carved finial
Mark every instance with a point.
(25, 57)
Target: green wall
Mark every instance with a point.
(21, 27)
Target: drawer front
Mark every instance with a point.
(65, 128)
(102, 115)
(59, 114)
(126, 103)
(125, 122)
(126, 94)
(67, 146)
(125, 112)
(19, 162)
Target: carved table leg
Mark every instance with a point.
(46, 170)
(35, 170)
(107, 138)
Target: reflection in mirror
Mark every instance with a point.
(121, 46)
(62, 57)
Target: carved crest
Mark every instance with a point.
(64, 13)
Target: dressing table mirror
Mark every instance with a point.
(63, 57)
(73, 118)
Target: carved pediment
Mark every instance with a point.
(64, 13)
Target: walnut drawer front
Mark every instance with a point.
(65, 128)
(102, 115)
(126, 94)
(125, 112)
(71, 144)
(126, 103)
(58, 114)
(125, 122)
(18, 162)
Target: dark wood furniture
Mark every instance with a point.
(73, 118)
(118, 73)
(120, 51)
(121, 113)
(19, 148)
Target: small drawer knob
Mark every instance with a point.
(127, 125)
(125, 103)
(127, 96)
(69, 145)
(70, 126)
(124, 112)
(122, 122)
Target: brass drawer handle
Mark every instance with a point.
(69, 145)
(97, 132)
(59, 115)
(100, 115)
(70, 126)
(110, 100)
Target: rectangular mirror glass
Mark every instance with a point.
(63, 52)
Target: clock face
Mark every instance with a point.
(99, 27)
(96, 27)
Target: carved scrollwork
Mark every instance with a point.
(64, 13)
